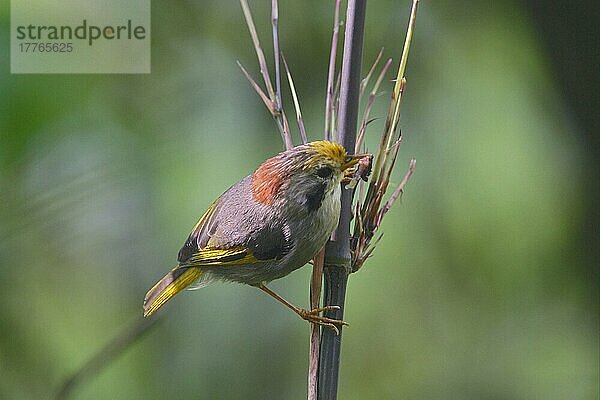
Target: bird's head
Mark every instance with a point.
(305, 173)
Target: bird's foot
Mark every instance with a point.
(313, 316)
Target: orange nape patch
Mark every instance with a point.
(266, 181)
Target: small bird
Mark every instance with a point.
(265, 226)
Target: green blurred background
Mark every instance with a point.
(485, 285)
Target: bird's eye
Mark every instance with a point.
(324, 172)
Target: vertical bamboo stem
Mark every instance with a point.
(337, 252)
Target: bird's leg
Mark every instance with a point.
(308, 315)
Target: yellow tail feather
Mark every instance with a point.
(174, 282)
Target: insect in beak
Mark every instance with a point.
(362, 171)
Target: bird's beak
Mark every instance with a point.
(351, 161)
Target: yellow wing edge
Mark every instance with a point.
(171, 284)
(184, 275)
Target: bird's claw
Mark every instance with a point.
(313, 316)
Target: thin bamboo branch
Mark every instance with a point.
(384, 145)
(315, 331)
(407, 42)
(275, 105)
(400, 79)
(394, 112)
(370, 102)
(284, 126)
(275, 26)
(329, 99)
(399, 190)
(336, 104)
(257, 48)
(366, 79)
(268, 102)
(387, 173)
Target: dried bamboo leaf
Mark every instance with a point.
(299, 119)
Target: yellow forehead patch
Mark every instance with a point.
(333, 151)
